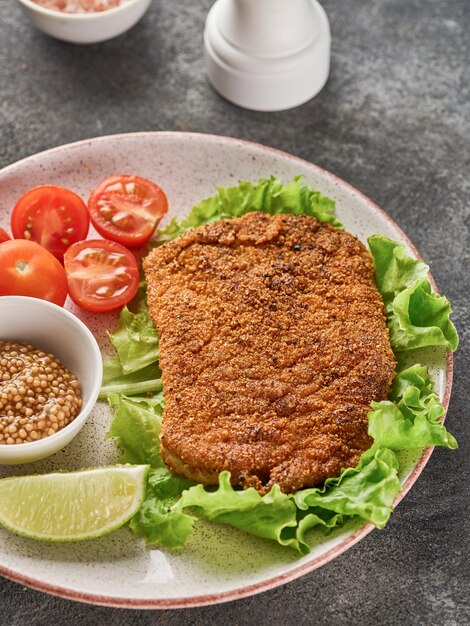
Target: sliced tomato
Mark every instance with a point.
(28, 269)
(102, 275)
(52, 216)
(4, 236)
(127, 209)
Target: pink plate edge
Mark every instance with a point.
(242, 592)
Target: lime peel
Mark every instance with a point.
(72, 506)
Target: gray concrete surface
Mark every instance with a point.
(393, 120)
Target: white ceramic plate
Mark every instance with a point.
(219, 563)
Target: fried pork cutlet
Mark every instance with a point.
(273, 343)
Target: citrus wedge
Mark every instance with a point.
(72, 506)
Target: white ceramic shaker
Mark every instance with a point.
(267, 55)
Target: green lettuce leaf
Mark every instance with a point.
(161, 520)
(416, 317)
(411, 418)
(161, 525)
(268, 195)
(367, 490)
(115, 381)
(394, 269)
(420, 318)
(136, 338)
(271, 516)
(319, 518)
(135, 369)
(136, 428)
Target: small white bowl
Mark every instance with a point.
(50, 328)
(85, 28)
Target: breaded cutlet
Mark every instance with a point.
(273, 343)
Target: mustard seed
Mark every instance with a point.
(38, 395)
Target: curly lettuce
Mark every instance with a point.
(409, 419)
(416, 316)
(136, 338)
(267, 195)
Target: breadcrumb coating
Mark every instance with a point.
(273, 343)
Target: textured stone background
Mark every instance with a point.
(393, 120)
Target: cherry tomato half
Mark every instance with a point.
(102, 275)
(127, 209)
(4, 236)
(52, 216)
(28, 269)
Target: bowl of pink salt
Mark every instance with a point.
(84, 21)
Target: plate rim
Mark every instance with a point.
(305, 568)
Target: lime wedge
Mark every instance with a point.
(72, 506)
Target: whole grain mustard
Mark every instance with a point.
(38, 395)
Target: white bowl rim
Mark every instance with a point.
(9, 452)
(92, 15)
